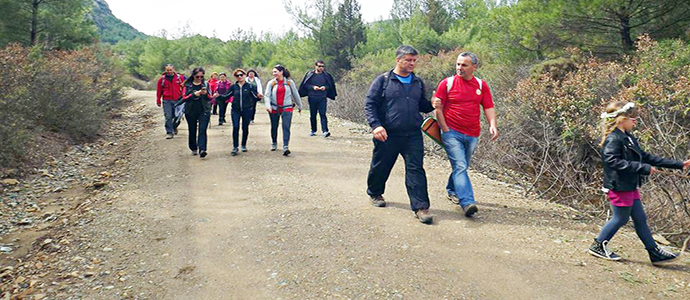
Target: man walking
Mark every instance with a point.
(457, 102)
(169, 89)
(392, 107)
(317, 85)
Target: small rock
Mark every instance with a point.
(5, 249)
(10, 181)
(107, 249)
(110, 287)
(25, 221)
(660, 239)
(39, 296)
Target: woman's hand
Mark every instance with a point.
(652, 170)
(197, 93)
(686, 165)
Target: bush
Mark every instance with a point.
(68, 92)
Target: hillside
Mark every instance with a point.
(110, 28)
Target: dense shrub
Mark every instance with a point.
(68, 92)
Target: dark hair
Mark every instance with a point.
(405, 50)
(285, 71)
(222, 74)
(196, 70)
(252, 71)
(319, 62)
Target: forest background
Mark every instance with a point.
(551, 64)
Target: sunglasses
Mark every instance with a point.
(202, 76)
(239, 75)
(320, 66)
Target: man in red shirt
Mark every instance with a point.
(457, 102)
(169, 90)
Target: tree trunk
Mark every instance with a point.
(627, 41)
(34, 20)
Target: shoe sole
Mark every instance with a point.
(379, 204)
(666, 262)
(286, 153)
(452, 201)
(603, 257)
(327, 135)
(427, 220)
(203, 154)
(471, 211)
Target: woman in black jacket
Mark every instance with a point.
(244, 97)
(197, 110)
(625, 167)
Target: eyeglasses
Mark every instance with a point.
(199, 77)
(239, 75)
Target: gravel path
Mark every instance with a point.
(263, 226)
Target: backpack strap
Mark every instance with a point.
(385, 84)
(481, 83)
(449, 83)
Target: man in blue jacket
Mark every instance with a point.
(392, 107)
(318, 86)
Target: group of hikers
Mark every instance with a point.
(393, 107)
(198, 99)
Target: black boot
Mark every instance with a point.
(660, 256)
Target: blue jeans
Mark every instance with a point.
(169, 112)
(197, 121)
(245, 115)
(287, 120)
(459, 148)
(318, 106)
(621, 215)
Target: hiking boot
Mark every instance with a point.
(286, 152)
(251, 122)
(326, 134)
(424, 216)
(378, 201)
(175, 131)
(660, 256)
(203, 153)
(312, 133)
(600, 250)
(274, 146)
(194, 152)
(220, 123)
(470, 210)
(234, 152)
(169, 136)
(244, 148)
(453, 199)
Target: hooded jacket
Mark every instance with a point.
(626, 165)
(291, 95)
(169, 90)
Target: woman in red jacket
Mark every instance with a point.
(213, 86)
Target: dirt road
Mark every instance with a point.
(263, 226)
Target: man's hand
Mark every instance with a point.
(316, 88)
(323, 88)
(260, 96)
(380, 134)
(436, 103)
(494, 132)
(158, 102)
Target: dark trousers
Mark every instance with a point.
(245, 115)
(386, 153)
(318, 105)
(197, 120)
(621, 215)
(215, 109)
(254, 111)
(222, 108)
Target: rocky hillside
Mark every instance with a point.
(110, 28)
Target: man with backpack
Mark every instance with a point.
(169, 89)
(457, 102)
(392, 107)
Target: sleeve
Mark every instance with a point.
(612, 156)
(259, 88)
(660, 161)
(230, 93)
(487, 98)
(159, 89)
(442, 92)
(334, 91)
(188, 94)
(372, 102)
(267, 96)
(295, 94)
(424, 103)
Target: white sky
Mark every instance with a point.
(222, 16)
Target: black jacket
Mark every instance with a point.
(626, 165)
(331, 91)
(244, 97)
(388, 105)
(189, 97)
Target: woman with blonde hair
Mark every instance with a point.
(626, 166)
(281, 96)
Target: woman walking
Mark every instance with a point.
(197, 111)
(281, 97)
(254, 80)
(223, 88)
(625, 167)
(213, 88)
(243, 106)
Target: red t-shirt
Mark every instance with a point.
(280, 97)
(461, 104)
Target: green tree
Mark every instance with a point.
(437, 16)
(349, 33)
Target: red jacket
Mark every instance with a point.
(167, 90)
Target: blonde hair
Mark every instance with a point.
(610, 124)
(214, 73)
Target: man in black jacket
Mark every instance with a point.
(318, 86)
(392, 107)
